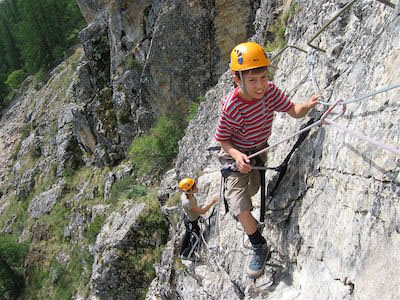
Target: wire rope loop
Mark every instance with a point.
(344, 107)
(330, 109)
(313, 62)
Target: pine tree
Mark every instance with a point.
(36, 34)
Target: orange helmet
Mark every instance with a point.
(186, 184)
(247, 56)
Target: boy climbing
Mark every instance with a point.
(192, 212)
(244, 126)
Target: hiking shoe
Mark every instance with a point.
(260, 256)
(191, 258)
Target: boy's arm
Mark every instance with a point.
(241, 159)
(302, 109)
(205, 209)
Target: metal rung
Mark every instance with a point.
(287, 47)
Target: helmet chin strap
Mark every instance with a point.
(189, 193)
(242, 85)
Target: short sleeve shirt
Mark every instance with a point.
(187, 205)
(248, 124)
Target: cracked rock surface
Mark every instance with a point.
(333, 222)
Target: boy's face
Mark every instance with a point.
(255, 83)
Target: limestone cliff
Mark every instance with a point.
(333, 221)
(66, 188)
(151, 57)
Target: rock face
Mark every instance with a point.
(90, 8)
(333, 221)
(44, 202)
(138, 60)
(112, 275)
(145, 58)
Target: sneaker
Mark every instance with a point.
(257, 263)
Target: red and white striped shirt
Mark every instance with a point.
(247, 124)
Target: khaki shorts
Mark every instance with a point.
(239, 188)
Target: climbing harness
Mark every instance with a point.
(204, 220)
(228, 168)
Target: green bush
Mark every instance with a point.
(39, 79)
(167, 133)
(193, 108)
(121, 188)
(126, 188)
(94, 228)
(142, 153)
(156, 150)
(12, 255)
(15, 79)
(276, 33)
(137, 191)
(14, 156)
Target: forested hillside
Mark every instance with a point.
(34, 36)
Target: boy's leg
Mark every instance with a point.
(240, 202)
(239, 189)
(186, 244)
(261, 252)
(248, 222)
(186, 237)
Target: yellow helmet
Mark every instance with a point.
(247, 56)
(186, 184)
